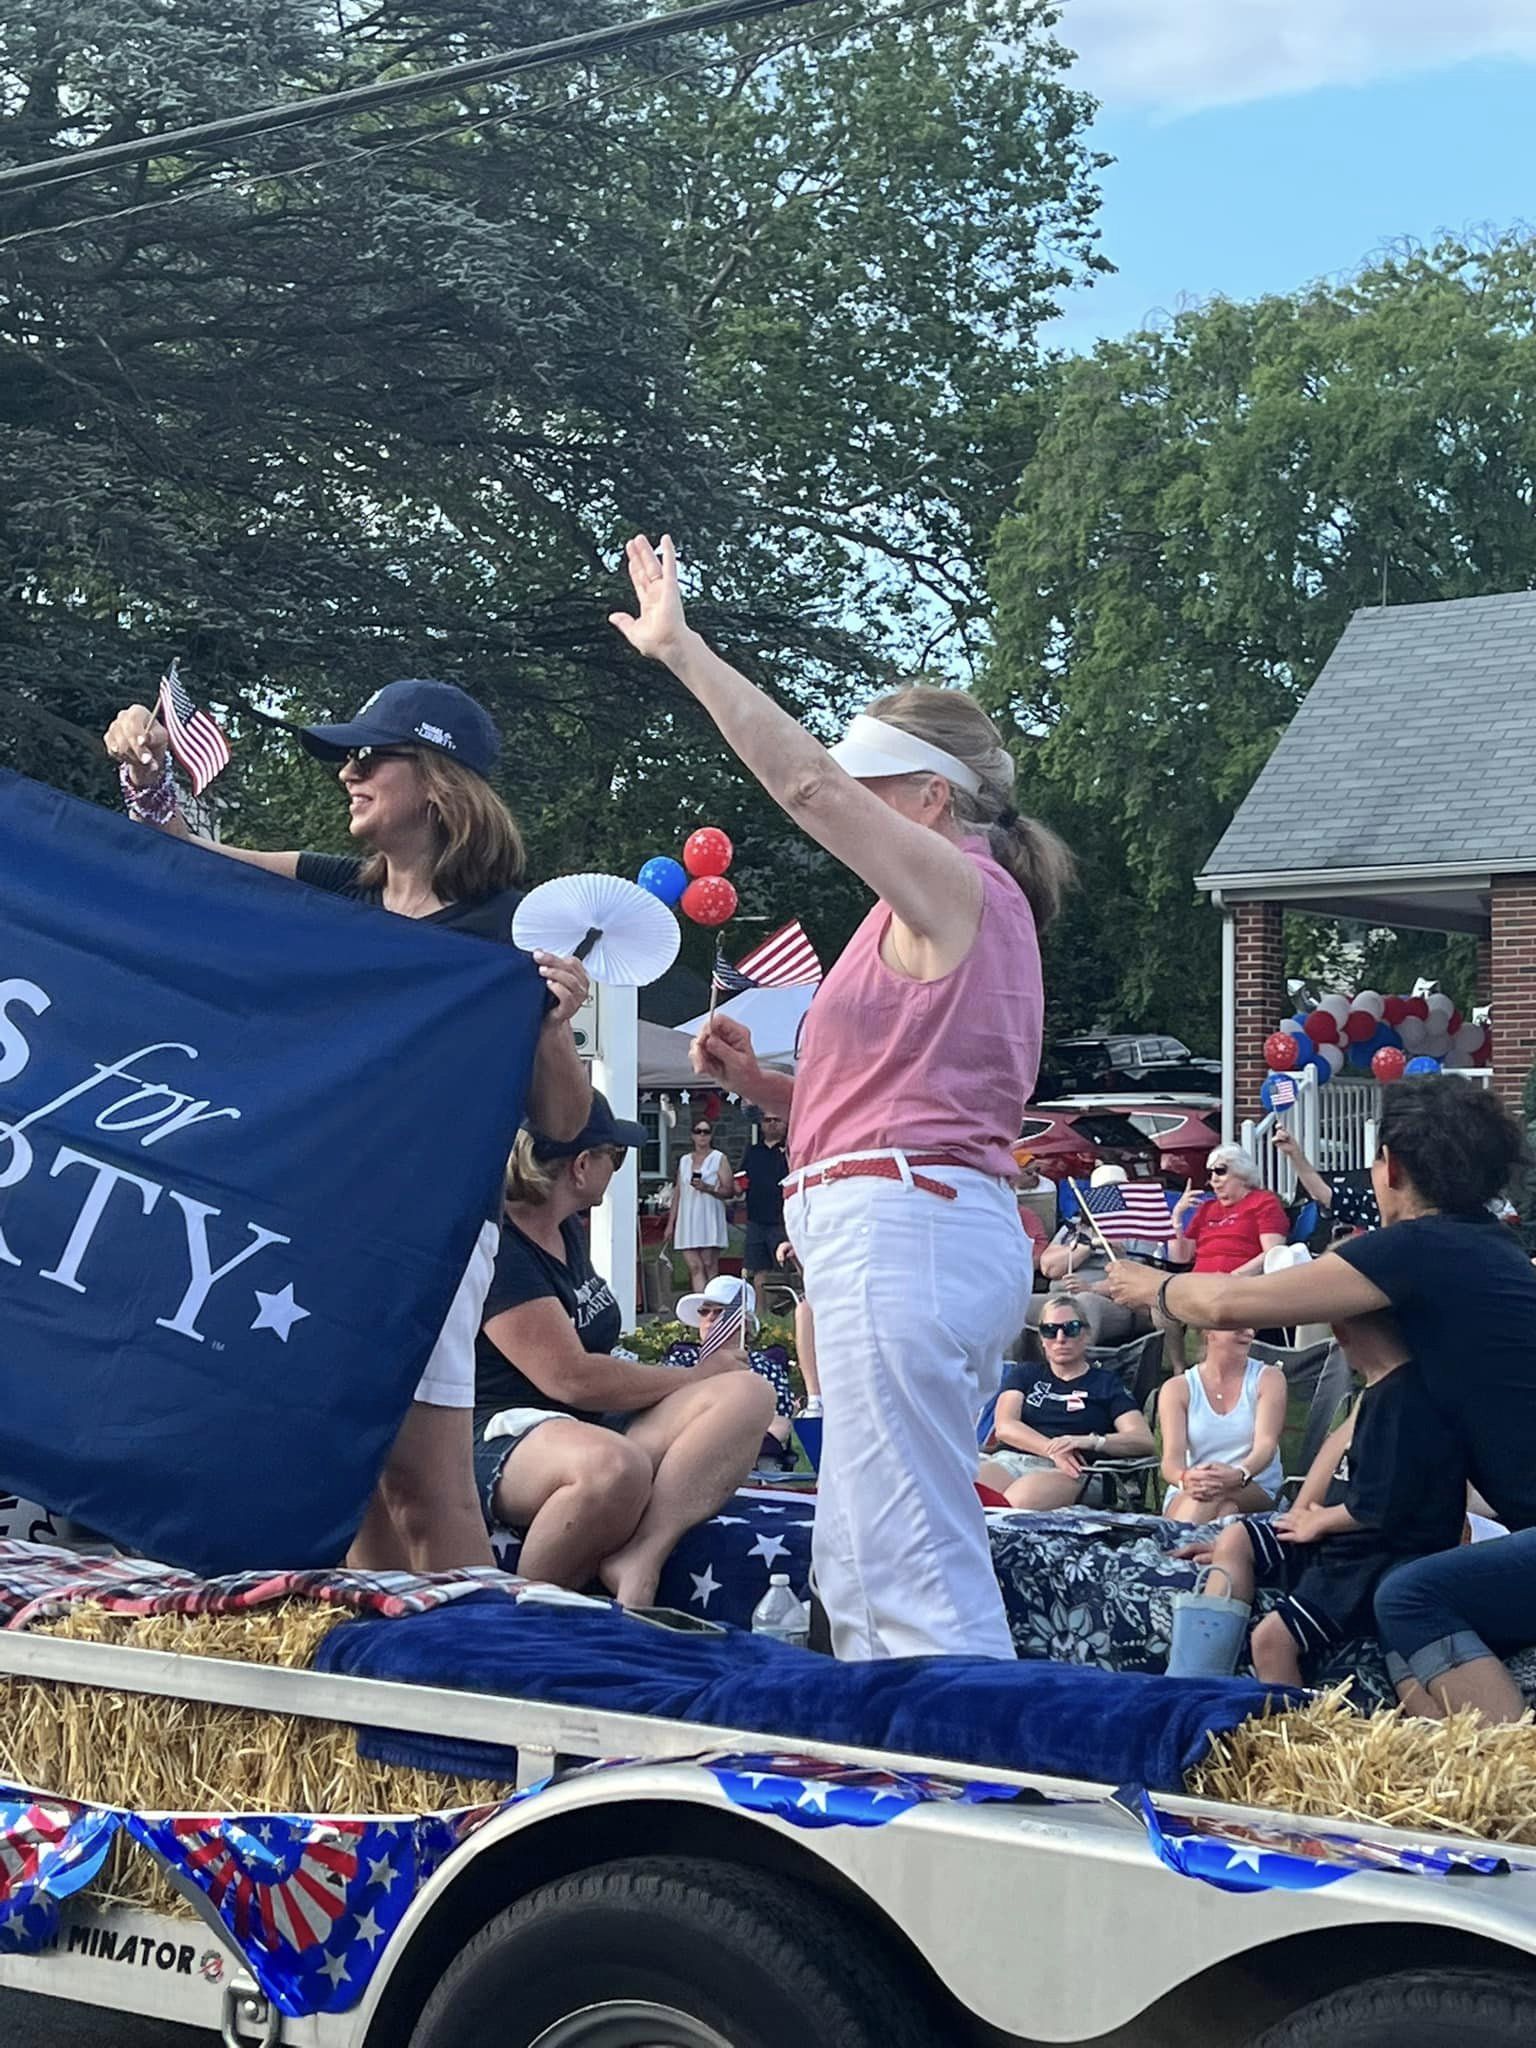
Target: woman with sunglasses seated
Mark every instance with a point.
(1232, 1232)
(1054, 1421)
(437, 843)
(703, 1311)
(602, 1462)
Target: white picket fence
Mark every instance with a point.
(1335, 1125)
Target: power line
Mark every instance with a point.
(389, 92)
(353, 158)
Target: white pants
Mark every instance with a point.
(449, 1380)
(915, 1299)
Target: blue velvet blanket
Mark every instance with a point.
(1060, 1720)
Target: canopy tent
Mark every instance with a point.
(772, 1015)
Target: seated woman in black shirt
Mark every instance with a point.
(1464, 1295)
(1054, 1420)
(601, 1461)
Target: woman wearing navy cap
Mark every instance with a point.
(437, 843)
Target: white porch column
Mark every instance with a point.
(616, 1071)
(1228, 1022)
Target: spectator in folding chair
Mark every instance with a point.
(1221, 1423)
(702, 1311)
(1055, 1422)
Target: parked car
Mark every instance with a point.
(1147, 1062)
(1068, 1140)
(1185, 1133)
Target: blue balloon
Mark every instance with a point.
(1362, 1054)
(663, 878)
(1423, 1064)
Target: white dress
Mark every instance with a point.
(700, 1224)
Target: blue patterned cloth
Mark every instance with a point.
(771, 1365)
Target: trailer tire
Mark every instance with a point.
(683, 1953)
(1419, 2009)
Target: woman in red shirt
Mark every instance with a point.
(1232, 1233)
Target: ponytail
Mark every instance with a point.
(1039, 861)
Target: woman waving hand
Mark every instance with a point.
(918, 1056)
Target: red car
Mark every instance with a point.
(1155, 1139)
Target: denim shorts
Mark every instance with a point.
(492, 1453)
(1476, 1601)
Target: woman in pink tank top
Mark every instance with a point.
(917, 1059)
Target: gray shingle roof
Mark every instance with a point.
(1414, 750)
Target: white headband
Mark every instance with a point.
(870, 747)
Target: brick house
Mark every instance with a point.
(1403, 792)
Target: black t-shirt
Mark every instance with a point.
(485, 917)
(1086, 1406)
(1464, 1294)
(765, 1167)
(1407, 1480)
(526, 1272)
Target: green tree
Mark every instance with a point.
(1205, 508)
(385, 399)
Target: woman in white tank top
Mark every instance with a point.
(1221, 1424)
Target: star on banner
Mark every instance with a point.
(278, 1312)
(705, 1586)
(768, 1548)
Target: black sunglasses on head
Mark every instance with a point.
(1072, 1329)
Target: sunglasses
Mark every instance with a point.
(1072, 1329)
(363, 760)
(617, 1153)
(708, 1308)
(1214, 1170)
(701, 1130)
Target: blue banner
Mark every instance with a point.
(248, 1135)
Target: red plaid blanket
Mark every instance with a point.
(38, 1581)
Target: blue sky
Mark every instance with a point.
(1262, 143)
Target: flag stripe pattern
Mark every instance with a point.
(785, 960)
(199, 746)
(725, 1329)
(1130, 1209)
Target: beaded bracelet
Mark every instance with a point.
(155, 804)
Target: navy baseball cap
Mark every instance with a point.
(413, 714)
(601, 1128)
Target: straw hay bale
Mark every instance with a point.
(1455, 1776)
(143, 1751)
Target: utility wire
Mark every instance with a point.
(389, 92)
(353, 157)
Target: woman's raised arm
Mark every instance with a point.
(927, 881)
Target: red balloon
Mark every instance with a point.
(709, 900)
(1281, 1052)
(1388, 1064)
(708, 852)
(1320, 1027)
(1416, 1006)
(1394, 1010)
(1359, 1025)
(1454, 1022)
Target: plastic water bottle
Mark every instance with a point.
(782, 1615)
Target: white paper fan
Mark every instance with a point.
(625, 937)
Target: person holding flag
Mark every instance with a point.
(437, 843)
(918, 1056)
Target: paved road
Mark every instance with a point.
(50, 2023)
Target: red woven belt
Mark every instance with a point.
(875, 1169)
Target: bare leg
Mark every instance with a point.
(1274, 1653)
(1482, 1686)
(578, 1491)
(703, 1441)
(1233, 1552)
(998, 1477)
(805, 1347)
(1413, 1699)
(428, 1492)
(698, 1275)
(709, 1263)
(377, 1546)
(1249, 1500)
(1044, 1490)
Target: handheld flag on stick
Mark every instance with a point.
(1129, 1209)
(727, 1329)
(201, 749)
(786, 960)
(1090, 1219)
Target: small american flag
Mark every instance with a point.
(200, 748)
(725, 1329)
(1130, 1209)
(783, 961)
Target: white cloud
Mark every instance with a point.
(1174, 56)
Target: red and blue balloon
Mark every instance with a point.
(696, 884)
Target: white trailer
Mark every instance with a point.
(639, 1907)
